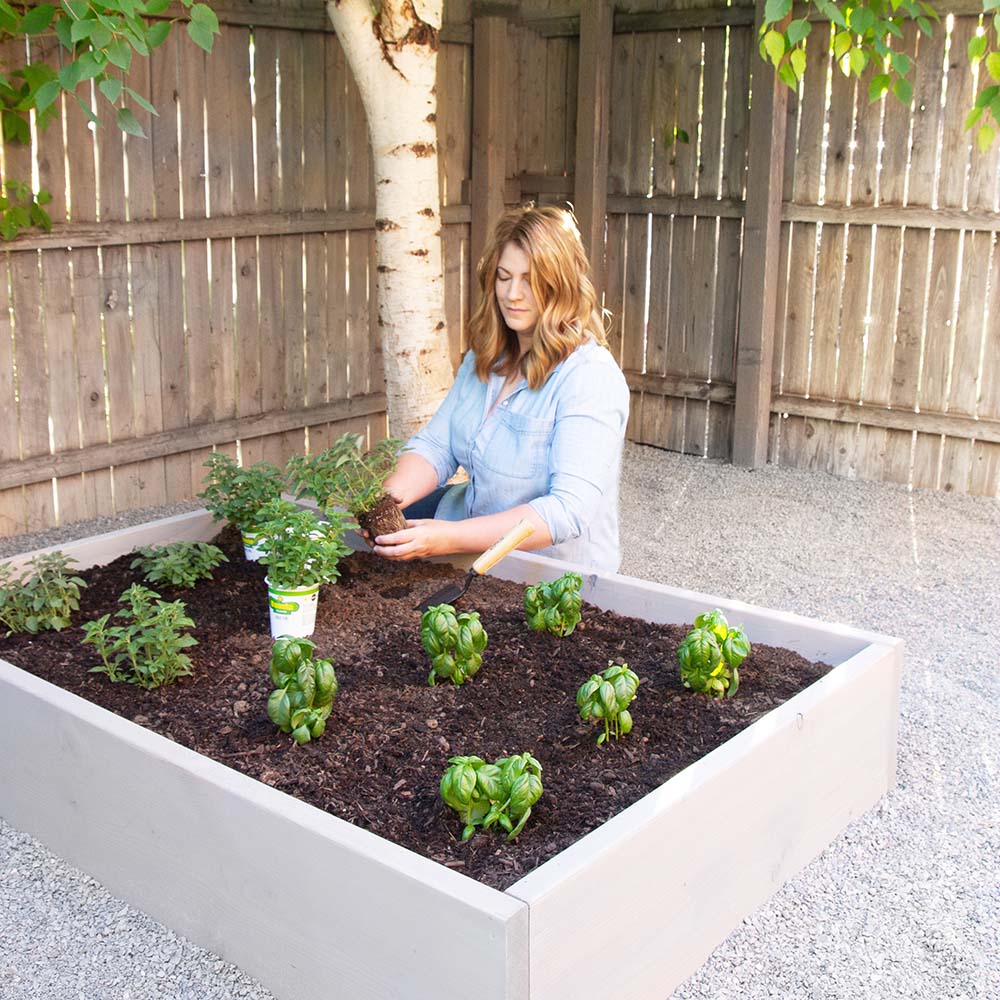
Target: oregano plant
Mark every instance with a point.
(42, 597)
(179, 564)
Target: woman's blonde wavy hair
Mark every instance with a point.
(559, 277)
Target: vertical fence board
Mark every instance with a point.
(199, 336)
(12, 506)
(221, 124)
(174, 374)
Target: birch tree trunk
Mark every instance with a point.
(393, 56)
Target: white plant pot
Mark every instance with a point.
(374, 920)
(250, 549)
(292, 609)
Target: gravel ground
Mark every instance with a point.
(905, 904)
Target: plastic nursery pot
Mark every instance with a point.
(293, 610)
(250, 549)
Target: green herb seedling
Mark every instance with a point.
(455, 643)
(710, 655)
(500, 793)
(607, 696)
(42, 598)
(304, 689)
(236, 493)
(344, 476)
(299, 549)
(146, 649)
(554, 606)
(180, 564)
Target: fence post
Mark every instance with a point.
(759, 267)
(590, 188)
(489, 135)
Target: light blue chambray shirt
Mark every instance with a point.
(557, 447)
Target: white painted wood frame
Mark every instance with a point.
(314, 907)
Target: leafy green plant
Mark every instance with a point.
(96, 43)
(304, 689)
(299, 549)
(145, 649)
(344, 476)
(500, 793)
(554, 606)
(42, 598)
(865, 35)
(711, 654)
(179, 564)
(607, 696)
(455, 643)
(237, 494)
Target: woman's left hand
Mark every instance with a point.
(420, 539)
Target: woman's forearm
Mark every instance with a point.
(413, 479)
(476, 534)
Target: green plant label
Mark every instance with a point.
(287, 607)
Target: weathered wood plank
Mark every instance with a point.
(183, 440)
(758, 286)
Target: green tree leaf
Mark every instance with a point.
(775, 10)
(127, 122)
(798, 30)
(37, 19)
(993, 65)
(878, 86)
(111, 88)
(977, 48)
(142, 102)
(46, 94)
(774, 45)
(200, 35)
(903, 89)
(985, 138)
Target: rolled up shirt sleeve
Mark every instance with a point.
(586, 448)
(434, 442)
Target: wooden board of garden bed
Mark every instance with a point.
(390, 735)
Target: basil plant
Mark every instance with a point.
(304, 689)
(710, 655)
(455, 643)
(607, 696)
(554, 606)
(500, 793)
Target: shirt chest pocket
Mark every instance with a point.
(518, 446)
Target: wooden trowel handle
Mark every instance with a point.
(502, 546)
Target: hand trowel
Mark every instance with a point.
(489, 559)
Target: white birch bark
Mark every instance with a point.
(393, 56)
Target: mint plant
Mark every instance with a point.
(300, 550)
(145, 649)
(607, 696)
(554, 606)
(180, 564)
(500, 793)
(43, 597)
(455, 643)
(237, 494)
(710, 655)
(304, 689)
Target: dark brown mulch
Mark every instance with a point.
(390, 735)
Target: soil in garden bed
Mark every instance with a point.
(390, 735)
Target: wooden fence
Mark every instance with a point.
(885, 336)
(210, 286)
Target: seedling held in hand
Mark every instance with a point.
(146, 649)
(607, 696)
(304, 689)
(42, 598)
(710, 655)
(554, 606)
(180, 564)
(344, 476)
(500, 793)
(455, 643)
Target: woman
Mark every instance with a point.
(536, 415)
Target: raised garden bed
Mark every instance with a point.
(302, 899)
